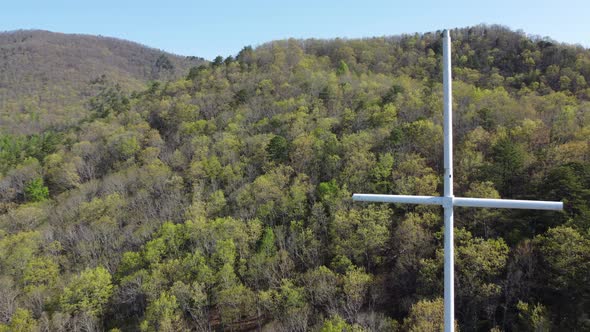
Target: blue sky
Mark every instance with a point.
(223, 27)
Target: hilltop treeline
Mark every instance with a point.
(222, 201)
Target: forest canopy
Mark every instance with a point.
(222, 200)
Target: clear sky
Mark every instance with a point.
(223, 27)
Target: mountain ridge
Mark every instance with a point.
(47, 76)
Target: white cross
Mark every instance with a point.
(448, 200)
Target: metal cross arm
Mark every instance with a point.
(461, 201)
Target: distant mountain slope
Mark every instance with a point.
(46, 77)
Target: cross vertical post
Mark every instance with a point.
(449, 252)
(448, 200)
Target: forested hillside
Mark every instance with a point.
(222, 200)
(46, 77)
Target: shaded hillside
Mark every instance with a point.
(46, 77)
(221, 201)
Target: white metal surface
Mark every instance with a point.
(449, 249)
(448, 200)
(431, 200)
(507, 203)
(461, 201)
(448, 115)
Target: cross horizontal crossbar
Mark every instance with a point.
(461, 201)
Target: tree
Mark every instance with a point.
(278, 149)
(362, 235)
(17, 250)
(162, 315)
(533, 317)
(342, 68)
(288, 305)
(478, 267)
(61, 175)
(570, 182)
(40, 273)
(36, 191)
(88, 292)
(192, 299)
(479, 264)
(426, 316)
(411, 241)
(338, 324)
(321, 285)
(21, 321)
(355, 286)
(506, 170)
(479, 220)
(218, 61)
(8, 299)
(564, 262)
(110, 100)
(424, 138)
(236, 303)
(163, 62)
(412, 176)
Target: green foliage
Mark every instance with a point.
(564, 256)
(88, 292)
(110, 100)
(194, 72)
(508, 165)
(361, 235)
(571, 182)
(61, 175)
(278, 149)
(337, 324)
(342, 68)
(565, 251)
(21, 321)
(327, 191)
(321, 286)
(413, 176)
(381, 175)
(40, 273)
(276, 195)
(478, 265)
(236, 302)
(356, 284)
(17, 250)
(162, 315)
(533, 317)
(426, 315)
(218, 61)
(127, 147)
(15, 149)
(288, 303)
(36, 191)
(267, 243)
